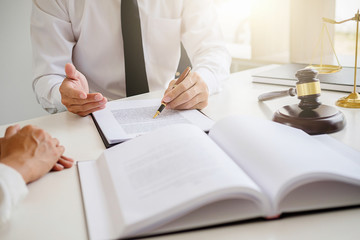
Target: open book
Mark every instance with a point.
(122, 120)
(177, 177)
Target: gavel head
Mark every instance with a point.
(308, 88)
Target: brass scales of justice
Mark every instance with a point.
(353, 100)
(310, 115)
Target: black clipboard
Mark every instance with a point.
(103, 138)
(109, 145)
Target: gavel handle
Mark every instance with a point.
(277, 94)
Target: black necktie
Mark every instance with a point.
(135, 73)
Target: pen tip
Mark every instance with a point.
(157, 113)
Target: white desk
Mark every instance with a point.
(53, 209)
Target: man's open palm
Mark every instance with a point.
(75, 94)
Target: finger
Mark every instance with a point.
(198, 93)
(12, 130)
(182, 87)
(65, 163)
(170, 87)
(184, 75)
(55, 142)
(193, 104)
(201, 105)
(85, 113)
(185, 97)
(87, 107)
(39, 134)
(57, 167)
(67, 158)
(71, 72)
(91, 98)
(188, 99)
(60, 151)
(29, 129)
(181, 103)
(67, 90)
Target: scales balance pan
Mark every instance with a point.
(352, 100)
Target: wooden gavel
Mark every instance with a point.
(307, 89)
(309, 115)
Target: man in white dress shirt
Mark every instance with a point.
(88, 34)
(26, 154)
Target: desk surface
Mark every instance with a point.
(53, 209)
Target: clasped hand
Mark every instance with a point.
(32, 152)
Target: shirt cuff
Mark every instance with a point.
(55, 93)
(48, 94)
(210, 80)
(13, 189)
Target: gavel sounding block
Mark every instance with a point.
(324, 119)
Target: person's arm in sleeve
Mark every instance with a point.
(26, 154)
(204, 43)
(12, 190)
(202, 38)
(52, 41)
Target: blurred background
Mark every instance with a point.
(257, 32)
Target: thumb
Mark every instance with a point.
(12, 130)
(71, 71)
(170, 87)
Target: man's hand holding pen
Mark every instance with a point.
(191, 93)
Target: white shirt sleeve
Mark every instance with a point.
(12, 190)
(203, 41)
(88, 34)
(52, 42)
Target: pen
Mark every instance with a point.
(180, 79)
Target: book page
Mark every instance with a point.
(167, 173)
(125, 119)
(140, 120)
(280, 158)
(103, 215)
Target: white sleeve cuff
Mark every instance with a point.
(55, 92)
(12, 190)
(213, 84)
(48, 94)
